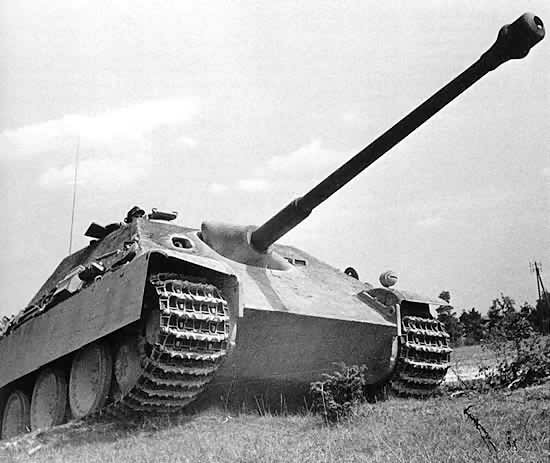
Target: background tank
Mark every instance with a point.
(150, 312)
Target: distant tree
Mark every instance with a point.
(515, 326)
(526, 310)
(496, 311)
(540, 315)
(505, 323)
(447, 316)
(472, 326)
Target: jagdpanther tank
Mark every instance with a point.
(152, 315)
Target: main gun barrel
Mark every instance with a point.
(513, 42)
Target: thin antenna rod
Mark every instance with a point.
(76, 159)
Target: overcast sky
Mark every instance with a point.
(229, 110)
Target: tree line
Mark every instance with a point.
(504, 320)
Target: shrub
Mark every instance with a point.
(523, 357)
(336, 395)
(529, 363)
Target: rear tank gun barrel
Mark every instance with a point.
(513, 42)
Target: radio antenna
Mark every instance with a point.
(76, 160)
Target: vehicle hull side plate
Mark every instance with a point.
(87, 316)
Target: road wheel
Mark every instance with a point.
(90, 380)
(49, 399)
(127, 368)
(15, 418)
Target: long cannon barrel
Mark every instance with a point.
(513, 42)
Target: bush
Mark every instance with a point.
(336, 396)
(526, 363)
(523, 357)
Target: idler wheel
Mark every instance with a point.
(90, 379)
(128, 365)
(49, 399)
(15, 419)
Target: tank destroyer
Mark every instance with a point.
(150, 314)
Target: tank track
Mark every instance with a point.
(424, 356)
(189, 346)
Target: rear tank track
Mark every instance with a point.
(188, 347)
(424, 356)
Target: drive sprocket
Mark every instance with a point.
(190, 342)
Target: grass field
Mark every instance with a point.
(396, 430)
(466, 362)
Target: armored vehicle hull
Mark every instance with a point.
(169, 313)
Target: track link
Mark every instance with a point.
(190, 344)
(424, 356)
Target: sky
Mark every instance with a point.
(229, 110)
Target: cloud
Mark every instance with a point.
(115, 145)
(128, 122)
(546, 172)
(441, 205)
(253, 184)
(349, 116)
(430, 222)
(217, 188)
(310, 158)
(250, 185)
(352, 117)
(102, 173)
(187, 142)
(306, 158)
